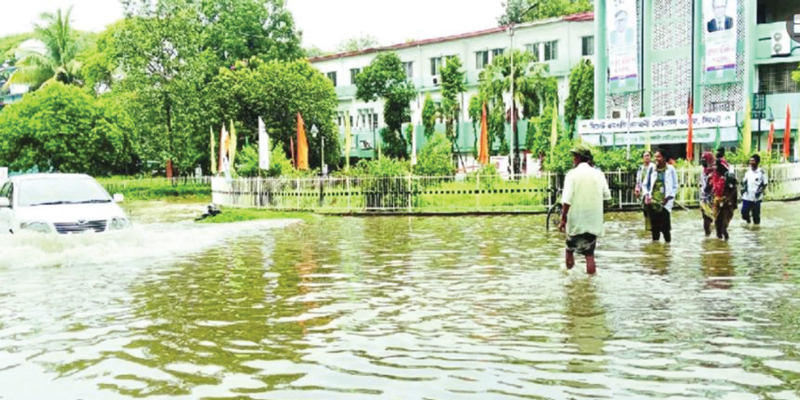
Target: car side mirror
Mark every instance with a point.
(4, 202)
(118, 198)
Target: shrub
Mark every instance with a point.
(436, 158)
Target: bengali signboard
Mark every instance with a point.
(729, 134)
(652, 124)
(621, 23)
(719, 28)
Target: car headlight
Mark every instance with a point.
(120, 224)
(39, 227)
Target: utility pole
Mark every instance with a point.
(513, 111)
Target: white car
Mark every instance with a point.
(59, 203)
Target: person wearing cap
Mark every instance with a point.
(753, 186)
(585, 189)
(724, 184)
(659, 191)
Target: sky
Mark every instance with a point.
(325, 23)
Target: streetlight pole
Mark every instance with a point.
(513, 111)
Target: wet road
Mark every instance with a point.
(402, 308)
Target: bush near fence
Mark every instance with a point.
(158, 188)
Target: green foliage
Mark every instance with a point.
(63, 129)
(9, 44)
(580, 101)
(796, 75)
(429, 116)
(382, 167)
(519, 11)
(276, 92)
(453, 84)
(609, 160)
(230, 215)
(58, 63)
(358, 43)
(475, 111)
(436, 158)
(560, 160)
(487, 176)
(385, 78)
(743, 159)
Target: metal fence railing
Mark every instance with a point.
(145, 188)
(453, 194)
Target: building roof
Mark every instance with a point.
(580, 17)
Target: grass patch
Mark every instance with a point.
(241, 215)
(157, 189)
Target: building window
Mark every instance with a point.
(353, 74)
(497, 52)
(551, 50)
(777, 78)
(481, 59)
(436, 66)
(534, 49)
(332, 77)
(587, 46)
(409, 68)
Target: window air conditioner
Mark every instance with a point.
(781, 44)
(435, 80)
(617, 114)
(672, 113)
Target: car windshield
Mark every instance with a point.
(38, 192)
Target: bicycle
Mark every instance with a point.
(554, 212)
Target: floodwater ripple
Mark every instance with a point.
(404, 308)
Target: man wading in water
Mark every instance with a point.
(585, 188)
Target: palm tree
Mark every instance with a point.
(58, 63)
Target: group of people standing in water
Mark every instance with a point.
(657, 186)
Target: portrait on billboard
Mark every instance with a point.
(621, 23)
(722, 15)
(623, 34)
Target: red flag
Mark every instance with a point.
(302, 144)
(483, 151)
(787, 134)
(690, 141)
(771, 137)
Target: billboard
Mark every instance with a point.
(719, 28)
(623, 56)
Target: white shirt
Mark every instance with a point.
(753, 180)
(585, 188)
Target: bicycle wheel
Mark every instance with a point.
(554, 216)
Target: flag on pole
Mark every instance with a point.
(263, 146)
(302, 144)
(690, 140)
(747, 133)
(213, 152)
(554, 127)
(717, 139)
(771, 137)
(483, 146)
(348, 139)
(787, 134)
(614, 140)
(224, 143)
(232, 148)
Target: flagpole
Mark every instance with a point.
(628, 135)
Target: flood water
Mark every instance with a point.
(402, 308)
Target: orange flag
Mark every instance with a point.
(690, 142)
(483, 150)
(787, 134)
(302, 144)
(771, 137)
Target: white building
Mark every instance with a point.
(559, 42)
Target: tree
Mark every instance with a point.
(452, 85)
(276, 91)
(580, 101)
(61, 128)
(519, 11)
(796, 75)
(9, 44)
(242, 29)
(385, 78)
(159, 48)
(533, 89)
(429, 116)
(58, 61)
(358, 43)
(475, 112)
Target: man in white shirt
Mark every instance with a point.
(585, 189)
(753, 186)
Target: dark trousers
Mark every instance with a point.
(661, 224)
(751, 207)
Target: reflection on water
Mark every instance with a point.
(402, 308)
